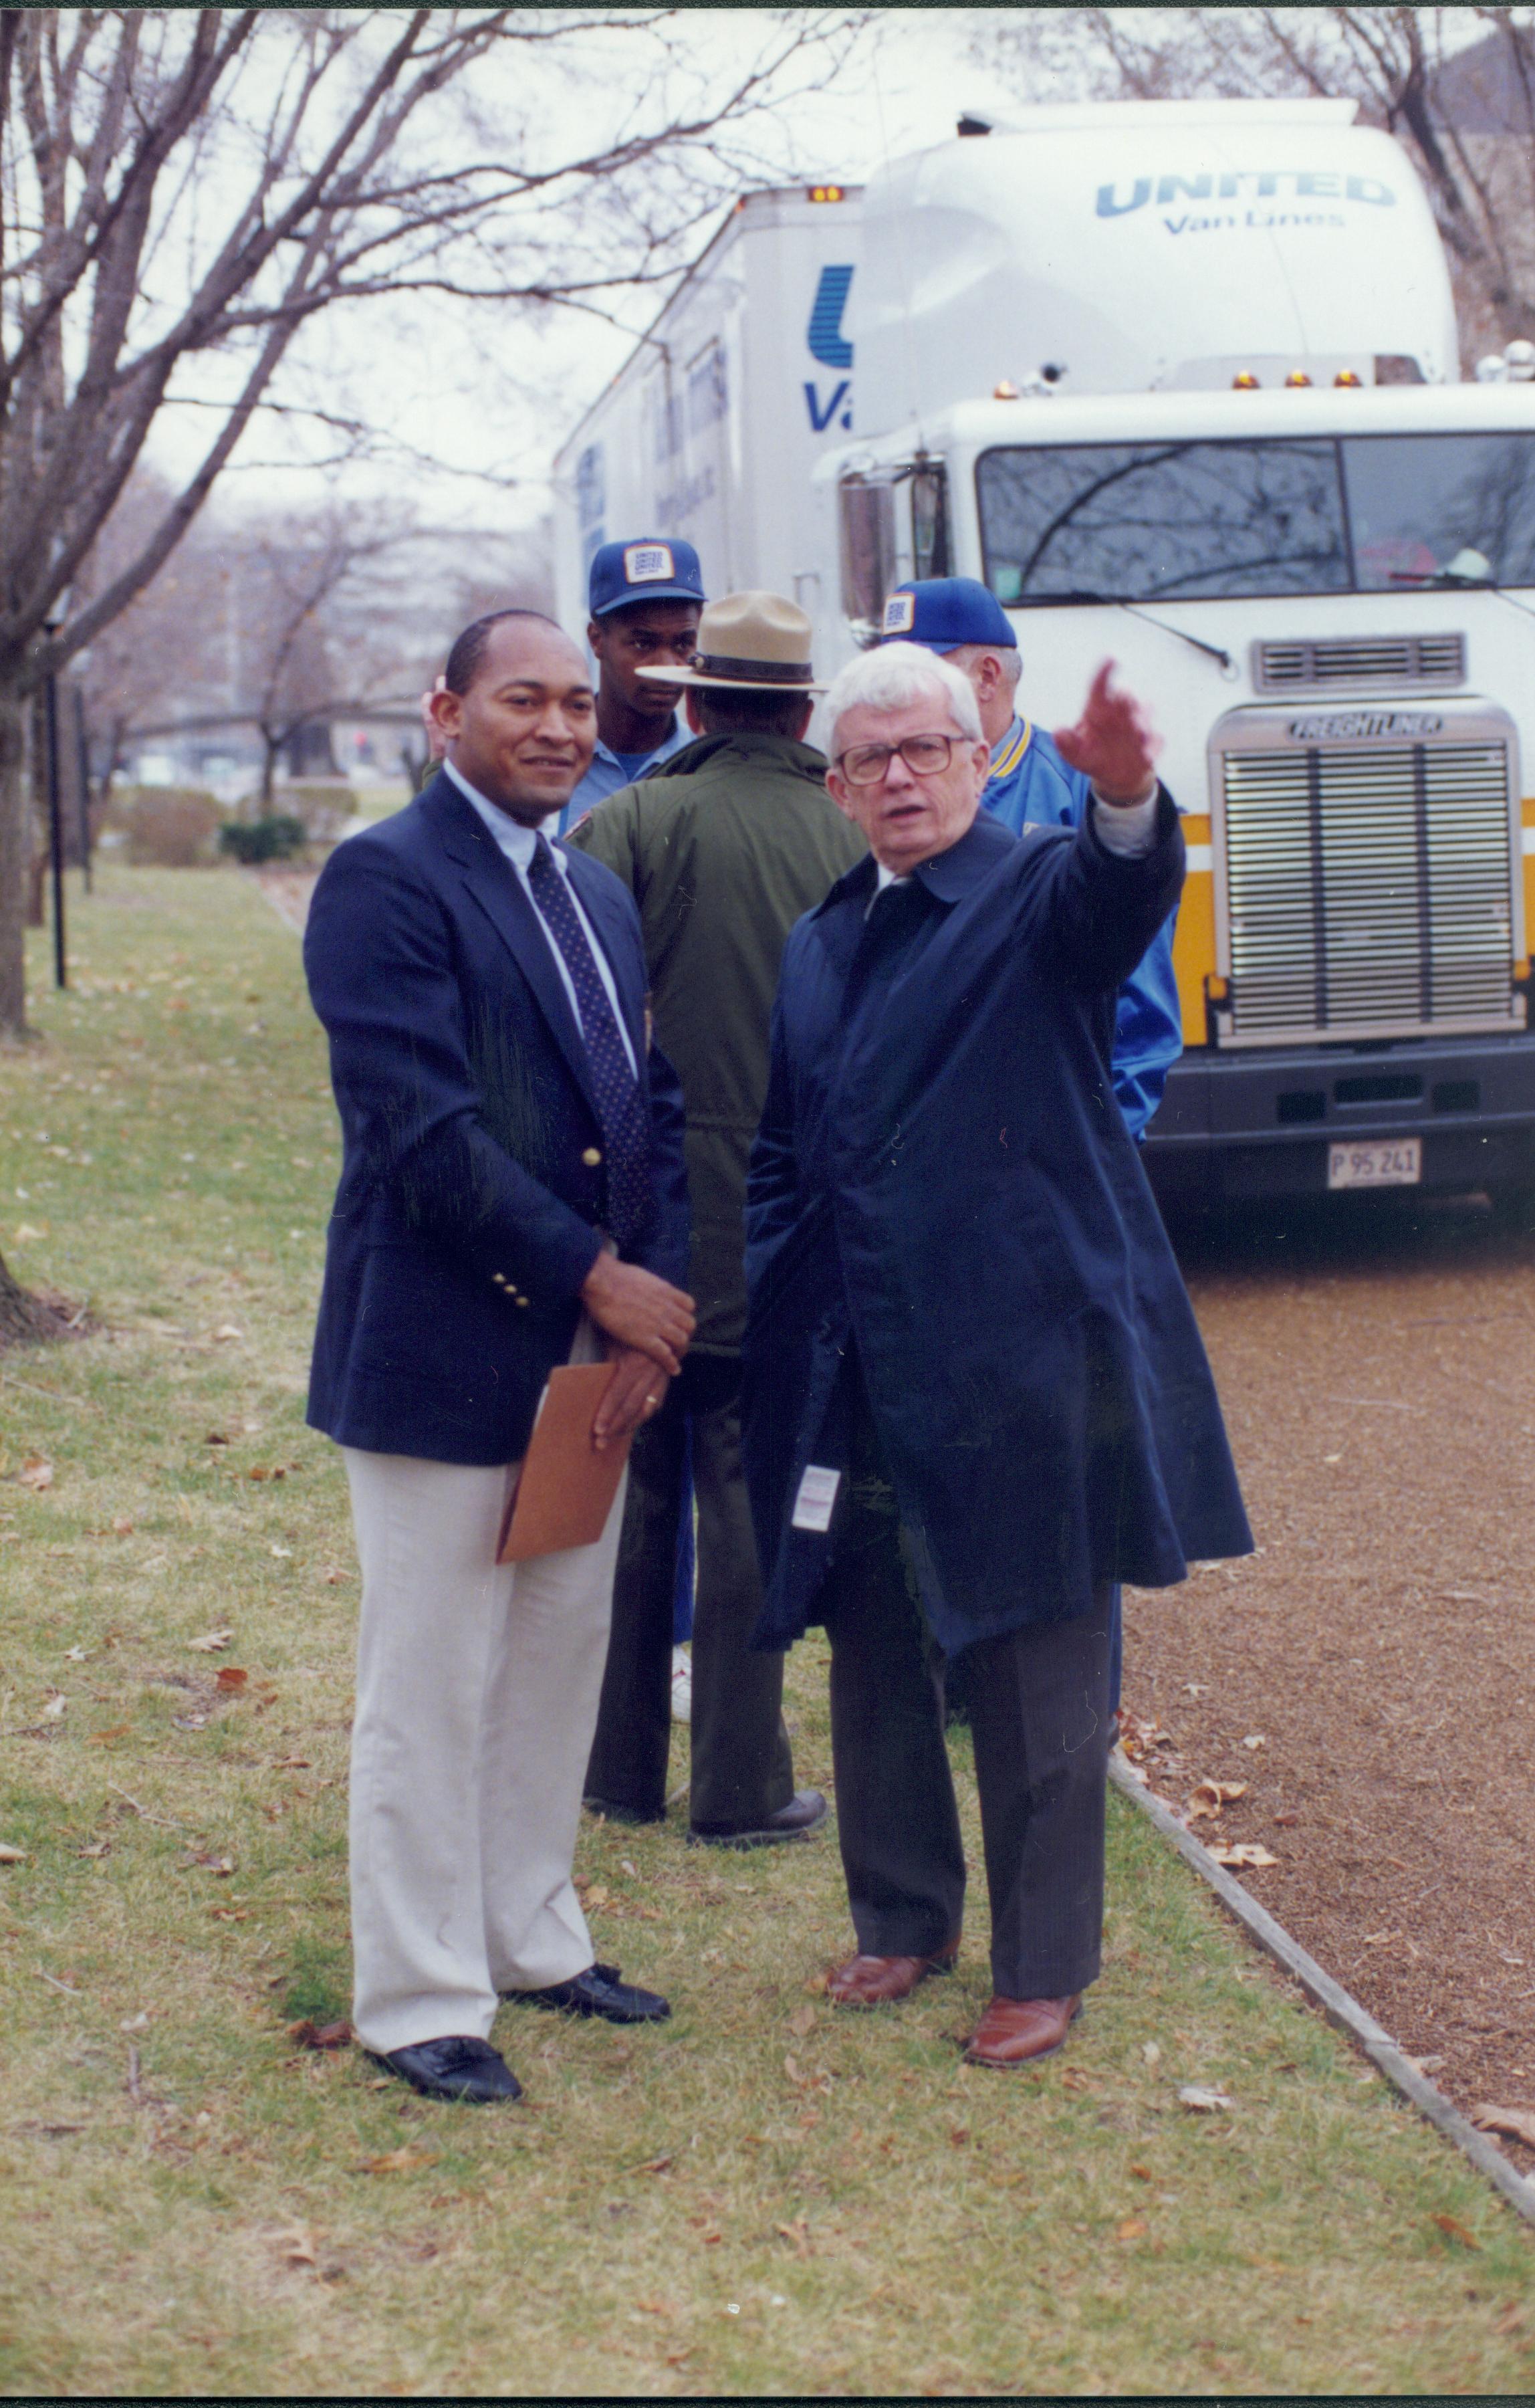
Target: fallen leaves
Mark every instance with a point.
(9, 1856)
(210, 1643)
(408, 2160)
(321, 2036)
(1209, 1797)
(221, 1866)
(802, 2022)
(1202, 2101)
(1245, 1855)
(37, 1473)
(1454, 2229)
(56, 1708)
(1255, 1740)
(1516, 2123)
(123, 1525)
(226, 1334)
(798, 2234)
(230, 1676)
(1131, 2227)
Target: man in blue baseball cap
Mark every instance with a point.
(1032, 784)
(644, 597)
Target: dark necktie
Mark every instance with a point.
(626, 1130)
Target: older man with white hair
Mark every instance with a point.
(975, 1396)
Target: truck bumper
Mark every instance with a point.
(1235, 1126)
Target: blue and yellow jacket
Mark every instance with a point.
(1031, 785)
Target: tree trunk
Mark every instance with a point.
(25, 1320)
(15, 857)
(271, 748)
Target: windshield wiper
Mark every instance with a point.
(1456, 580)
(1114, 602)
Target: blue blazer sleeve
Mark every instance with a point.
(378, 956)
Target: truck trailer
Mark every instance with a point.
(1180, 382)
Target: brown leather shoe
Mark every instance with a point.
(1014, 2031)
(880, 1981)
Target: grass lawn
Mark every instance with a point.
(763, 2196)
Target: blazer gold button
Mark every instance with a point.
(591, 1158)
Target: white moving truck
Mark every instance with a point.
(1179, 381)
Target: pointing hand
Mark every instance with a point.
(1112, 743)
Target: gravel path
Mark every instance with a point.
(1370, 1673)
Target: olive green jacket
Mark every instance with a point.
(724, 848)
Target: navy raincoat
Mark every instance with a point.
(943, 1175)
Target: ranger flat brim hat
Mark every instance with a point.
(755, 642)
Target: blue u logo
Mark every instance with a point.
(825, 336)
(1108, 206)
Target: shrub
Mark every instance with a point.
(324, 805)
(253, 841)
(165, 828)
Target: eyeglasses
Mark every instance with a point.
(867, 764)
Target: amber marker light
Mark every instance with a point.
(827, 193)
(1004, 390)
(1245, 382)
(1347, 376)
(1297, 376)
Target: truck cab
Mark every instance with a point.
(1222, 446)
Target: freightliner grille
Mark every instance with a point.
(1368, 889)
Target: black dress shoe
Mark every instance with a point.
(598, 1991)
(470, 2069)
(611, 1812)
(804, 1813)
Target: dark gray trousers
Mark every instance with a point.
(1039, 1719)
(742, 1769)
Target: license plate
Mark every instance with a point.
(1397, 1163)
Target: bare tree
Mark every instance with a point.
(184, 191)
(310, 623)
(1466, 111)
(140, 668)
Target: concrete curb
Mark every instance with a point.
(1334, 2001)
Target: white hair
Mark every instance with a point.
(896, 675)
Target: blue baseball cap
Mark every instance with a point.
(653, 570)
(941, 613)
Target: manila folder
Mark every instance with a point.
(565, 1489)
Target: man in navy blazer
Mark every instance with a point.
(511, 1199)
(975, 1396)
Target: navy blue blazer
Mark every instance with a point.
(465, 1220)
(942, 1175)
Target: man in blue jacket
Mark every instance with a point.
(975, 1395)
(511, 1199)
(1030, 785)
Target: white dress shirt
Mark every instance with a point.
(518, 844)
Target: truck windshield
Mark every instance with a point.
(1197, 522)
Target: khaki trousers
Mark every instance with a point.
(477, 1698)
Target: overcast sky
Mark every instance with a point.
(486, 390)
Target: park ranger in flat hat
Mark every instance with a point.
(724, 847)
